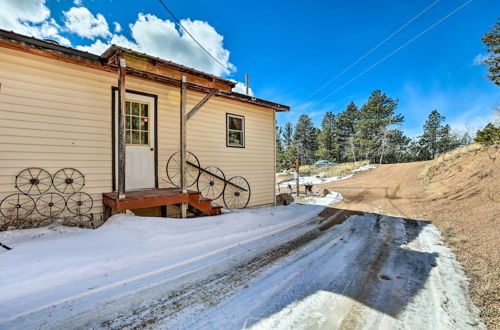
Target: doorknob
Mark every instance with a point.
(152, 149)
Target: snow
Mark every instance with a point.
(369, 272)
(331, 198)
(364, 168)
(267, 268)
(320, 179)
(58, 265)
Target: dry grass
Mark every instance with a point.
(462, 197)
(342, 169)
(429, 171)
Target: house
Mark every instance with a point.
(58, 110)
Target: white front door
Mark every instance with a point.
(140, 137)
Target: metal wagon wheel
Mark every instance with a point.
(79, 203)
(237, 193)
(33, 181)
(68, 180)
(80, 220)
(174, 169)
(50, 205)
(17, 207)
(211, 182)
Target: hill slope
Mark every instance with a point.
(460, 194)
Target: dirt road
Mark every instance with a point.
(460, 195)
(389, 189)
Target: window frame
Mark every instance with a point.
(139, 130)
(229, 145)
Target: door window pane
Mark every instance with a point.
(135, 109)
(144, 124)
(144, 138)
(144, 110)
(135, 122)
(136, 137)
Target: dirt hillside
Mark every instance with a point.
(460, 194)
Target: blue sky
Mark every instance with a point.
(290, 49)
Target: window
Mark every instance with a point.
(136, 123)
(235, 130)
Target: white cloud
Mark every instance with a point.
(118, 27)
(98, 47)
(150, 34)
(163, 39)
(30, 17)
(479, 59)
(240, 88)
(81, 21)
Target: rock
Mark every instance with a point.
(284, 199)
(318, 191)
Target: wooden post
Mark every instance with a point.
(183, 144)
(297, 170)
(247, 81)
(121, 126)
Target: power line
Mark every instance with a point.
(189, 34)
(374, 48)
(395, 51)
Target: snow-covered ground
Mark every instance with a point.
(319, 179)
(331, 198)
(56, 271)
(269, 268)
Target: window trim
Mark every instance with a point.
(228, 115)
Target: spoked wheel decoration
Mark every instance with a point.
(50, 205)
(33, 181)
(81, 220)
(79, 203)
(17, 207)
(174, 169)
(237, 193)
(68, 180)
(211, 182)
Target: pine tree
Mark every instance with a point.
(429, 141)
(328, 146)
(346, 127)
(287, 135)
(437, 138)
(492, 42)
(305, 140)
(396, 147)
(280, 151)
(488, 135)
(375, 117)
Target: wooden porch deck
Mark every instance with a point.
(139, 199)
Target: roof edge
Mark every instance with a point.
(113, 49)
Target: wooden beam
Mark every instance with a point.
(183, 143)
(297, 170)
(197, 88)
(200, 104)
(121, 125)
